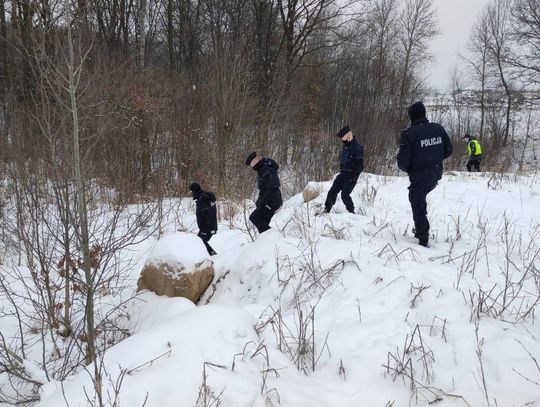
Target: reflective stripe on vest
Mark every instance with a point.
(478, 148)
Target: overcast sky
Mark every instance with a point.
(456, 17)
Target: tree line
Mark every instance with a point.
(177, 90)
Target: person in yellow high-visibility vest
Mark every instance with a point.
(474, 152)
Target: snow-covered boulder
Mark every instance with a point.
(311, 191)
(178, 266)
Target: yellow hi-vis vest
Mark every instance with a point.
(477, 147)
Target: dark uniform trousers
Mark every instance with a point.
(205, 237)
(265, 210)
(473, 162)
(344, 182)
(422, 183)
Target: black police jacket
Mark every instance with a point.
(268, 183)
(206, 211)
(351, 158)
(422, 148)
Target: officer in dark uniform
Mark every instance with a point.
(474, 152)
(422, 149)
(206, 212)
(269, 200)
(351, 163)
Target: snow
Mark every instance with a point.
(327, 310)
(182, 249)
(160, 360)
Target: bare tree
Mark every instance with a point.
(112, 19)
(526, 24)
(308, 26)
(144, 139)
(460, 123)
(383, 25)
(478, 61)
(3, 61)
(74, 69)
(232, 103)
(498, 17)
(419, 26)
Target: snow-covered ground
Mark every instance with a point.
(346, 310)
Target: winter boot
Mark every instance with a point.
(423, 242)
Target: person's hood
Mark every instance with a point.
(417, 111)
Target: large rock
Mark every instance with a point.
(311, 191)
(178, 266)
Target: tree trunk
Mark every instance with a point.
(83, 15)
(146, 161)
(404, 81)
(144, 139)
(3, 73)
(508, 100)
(170, 34)
(3, 49)
(483, 99)
(124, 25)
(67, 259)
(82, 212)
(141, 35)
(26, 23)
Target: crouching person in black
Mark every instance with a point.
(269, 200)
(206, 214)
(422, 149)
(351, 163)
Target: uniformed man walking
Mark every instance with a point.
(474, 152)
(422, 149)
(206, 212)
(269, 200)
(351, 163)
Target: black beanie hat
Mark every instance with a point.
(343, 132)
(194, 187)
(250, 158)
(467, 136)
(417, 111)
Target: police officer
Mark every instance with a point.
(206, 214)
(422, 149)
(268, 183)
(474, 152)
(351, 163)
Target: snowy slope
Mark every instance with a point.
(347, 310)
